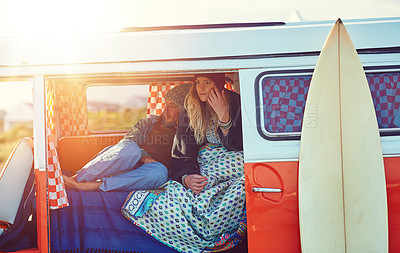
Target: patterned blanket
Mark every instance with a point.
(212, 221)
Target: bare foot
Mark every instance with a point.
(71, 182)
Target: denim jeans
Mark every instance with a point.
(117, 166)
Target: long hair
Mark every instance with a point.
(200, 115)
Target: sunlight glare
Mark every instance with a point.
(49, 17)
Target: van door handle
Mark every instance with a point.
(271, 190)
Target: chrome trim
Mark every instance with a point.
(270, 190)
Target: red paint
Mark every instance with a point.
(272, 218)
(42, 211)
(392, 170)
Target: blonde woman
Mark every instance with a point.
(203, 208)
(214, 119)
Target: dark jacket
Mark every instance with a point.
(185, 148)
(154, 137)
(140, 130)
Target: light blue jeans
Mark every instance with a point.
(117, 166)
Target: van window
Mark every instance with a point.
(16, 115)
(116, 108)
(385, 90)
(282, 101)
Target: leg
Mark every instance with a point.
(71, 182)
(112, 160)
(146, 177)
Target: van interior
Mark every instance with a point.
(81, 121)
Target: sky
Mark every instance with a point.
(24, 18)
(12, 94)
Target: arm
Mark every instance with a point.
(230, 114)
(184, 151)
(233, 139)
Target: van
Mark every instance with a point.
(269, 64)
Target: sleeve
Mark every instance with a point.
(184, 151)
(233, 141)
(140, 130)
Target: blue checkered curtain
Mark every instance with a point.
(385, 90)
(283, 102)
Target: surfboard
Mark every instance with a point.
(342, 187)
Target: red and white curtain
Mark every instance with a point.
(66, 116)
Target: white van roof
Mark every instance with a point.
(34, 55)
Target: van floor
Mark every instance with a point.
(77, 227)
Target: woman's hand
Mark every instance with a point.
(147, 159)
(195, 182)
(217, 101)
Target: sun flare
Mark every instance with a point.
(48, 17)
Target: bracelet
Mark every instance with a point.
(183, 180)
(225, 125)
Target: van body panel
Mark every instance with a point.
(258, 148)
(392, 165)
(272, 218)
(51, 55)
(273, 163)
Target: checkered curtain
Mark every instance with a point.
(284, 100)
(56, 188)
(156, 101)
(385, 90)
(66, 111)
(72, 109)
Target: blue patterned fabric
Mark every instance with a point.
(93, 223)
(213, 220)
(230, 240)
(283, 101)
(139, 202)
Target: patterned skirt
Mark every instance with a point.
(211, 221)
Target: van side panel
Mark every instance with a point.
(392, 169)
(75, 151)
(42, 214)
(272, 218)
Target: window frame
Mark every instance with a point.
(301, 72)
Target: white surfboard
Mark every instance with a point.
(342, 187)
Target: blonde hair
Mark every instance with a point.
(200, 115)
